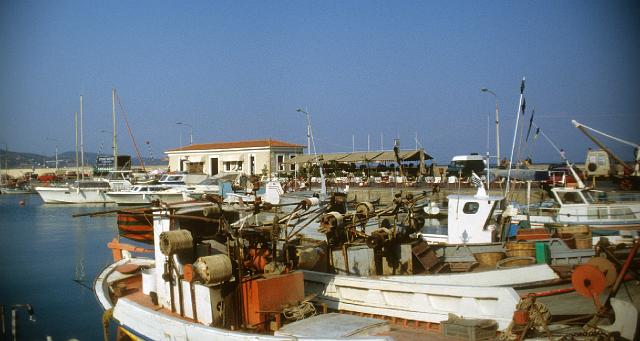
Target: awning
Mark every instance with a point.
(407, 155)
(197, 158)
(232, 157)
(302, 158)
(360, 157)
(333, 157)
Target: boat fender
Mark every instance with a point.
(172, 242)
(213, 269)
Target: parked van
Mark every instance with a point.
(598, 164)
(463, 165)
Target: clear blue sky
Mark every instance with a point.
(238, 70)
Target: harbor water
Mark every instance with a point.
(49, 259)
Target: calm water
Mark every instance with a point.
(42, 250)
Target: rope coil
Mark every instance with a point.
(172, 242)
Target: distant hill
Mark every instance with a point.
(67, 159)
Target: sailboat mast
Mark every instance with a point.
(77, 165)
(115, 140)
(81, 141)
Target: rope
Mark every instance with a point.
(297, 313)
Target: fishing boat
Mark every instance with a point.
(213, 275)
(579, 206)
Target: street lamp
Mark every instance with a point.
(190, 132)
(497, 123)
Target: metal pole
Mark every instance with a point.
(515, 134)
(497, 122)
(308, 133)
(115, 135)
(81, 141)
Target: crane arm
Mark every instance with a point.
(578, 125)
(584, 128)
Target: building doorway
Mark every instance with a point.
(214, 166)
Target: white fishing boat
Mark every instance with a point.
(576, 206)
(194, 289)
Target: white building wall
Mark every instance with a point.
(264, 156)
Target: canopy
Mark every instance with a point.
(303, 158)
(406, 155)
(360, 156)
(377, 156)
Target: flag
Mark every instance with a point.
(530, 123)
(522, 86)
(475, 179)
(524, 105)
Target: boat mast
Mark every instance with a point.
(81, 141)
(77, 165)
(115, 141)
(515, 133)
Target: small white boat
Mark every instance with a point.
(137, 195)
(575, 206)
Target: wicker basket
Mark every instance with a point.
(583, 241)
(521, 249)
(515, 261)
(488, 258)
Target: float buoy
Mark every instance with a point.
(21, 203)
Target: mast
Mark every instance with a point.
(81, 141)
(77, 165)
(115, 141)
(515, 134)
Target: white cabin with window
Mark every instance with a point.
(470, 219)
(255, 157)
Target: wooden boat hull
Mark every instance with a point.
(135, 227)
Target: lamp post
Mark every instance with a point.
(497, 123)
(308, 130)
(52, 139)
(190, 132)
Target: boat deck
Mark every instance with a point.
(401, 330)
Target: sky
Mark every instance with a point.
(368, 72)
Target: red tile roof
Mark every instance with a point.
(237, 144)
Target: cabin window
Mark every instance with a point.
(571, 198)
(471, 208)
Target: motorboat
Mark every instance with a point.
(581, 206)
(139, 194)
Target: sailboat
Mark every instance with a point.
(90, 191)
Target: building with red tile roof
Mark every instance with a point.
(249, 157)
